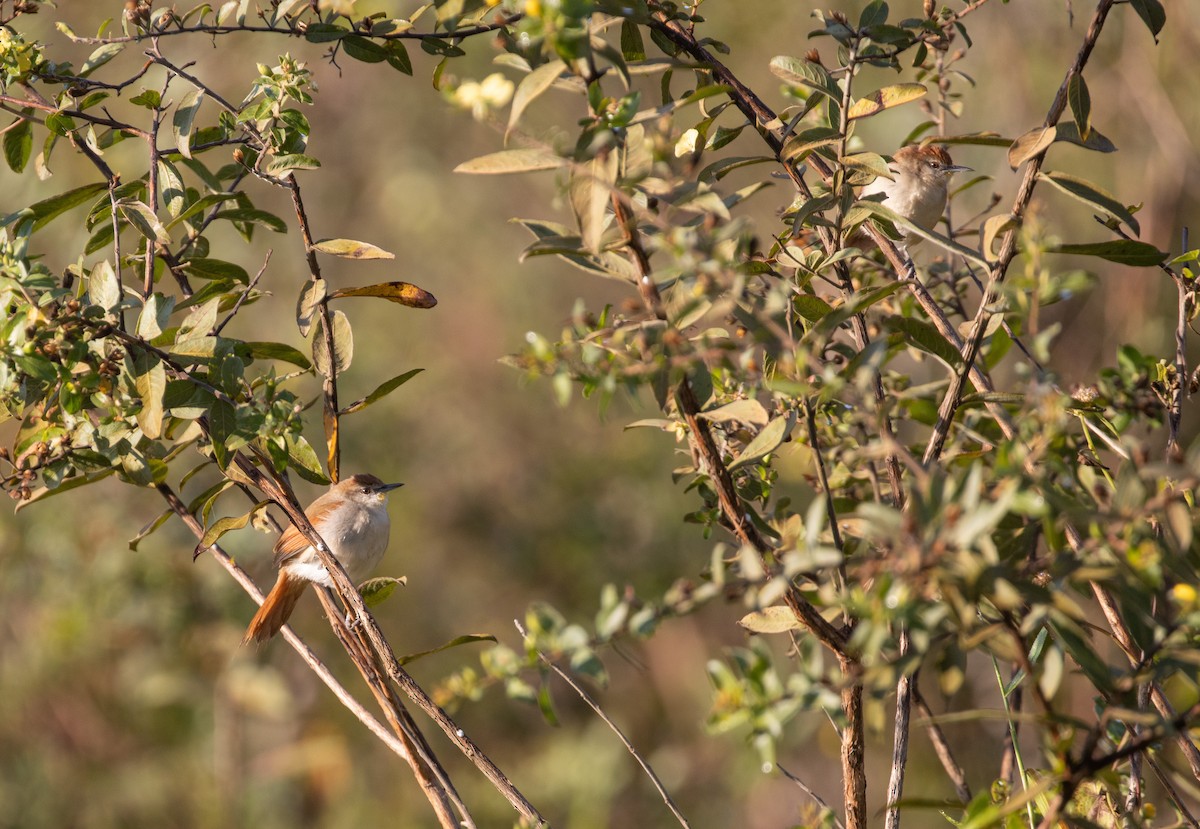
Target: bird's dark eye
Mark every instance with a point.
(366, 490)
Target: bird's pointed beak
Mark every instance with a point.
(958, 168)
(390, 487)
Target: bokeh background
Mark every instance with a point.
(124, 697)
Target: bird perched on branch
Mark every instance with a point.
(919, 187)
(352, 519)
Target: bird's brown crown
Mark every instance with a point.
(360, 480)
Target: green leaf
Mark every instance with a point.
(1122, 251)
(926, 337)
(1092, 196)
(277, 351)
(465, 639)
(202, 347)
(404, 293)
(546, 706)
(1069, 132)
(982, 139)
(875, 14)
(201, 204)
(765, 442)
(101, 56)
(398, 58)
(18, 145)
(812, 308)
(297, 161)
(42, 493)
(226, 525)
(886, 98)
(381, 391)
(250, 215)
(148, 98)
(183, 120)
(222, 423)
(216, 269)
(376, 591)
(343, 345)
(170, 184)
(104, 289)
(1152, 14)
(143, 218)
(804, 142)
(799, 72)
(632, 46)
(351, 249)
(324, 32)
(531, 86)
(512, 161)
(359, 48)
(48, 209)
(311, 296)
(1030, 144)
(150, 528)
(1081, 104)
(303, 460)
(150, 379)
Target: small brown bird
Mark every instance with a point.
(352, 519)
(920, 186)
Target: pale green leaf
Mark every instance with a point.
(351, 249)
(532, 86)
(777, 619)
(381, 391)
(343, 345)
(183, 121)
(512, 161)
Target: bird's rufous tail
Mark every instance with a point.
(276, 608)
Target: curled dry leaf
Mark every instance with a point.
(404, 293)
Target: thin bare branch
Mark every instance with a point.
(837, 822)
(616, 729)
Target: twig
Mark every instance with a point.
(86, 117)
(1089, 763)
(1008, 248)
(1175, 410)
(591, 703)
(1124, 638)
(481, 29)
(245, 294)
(152, 189)
(329, 388)
(1173, 793)
(900, 738)
(837, 822)
(1012, 736)
(430, 775)
(941, 747)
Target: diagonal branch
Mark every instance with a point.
(1008, 247)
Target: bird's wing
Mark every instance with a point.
(292, 543)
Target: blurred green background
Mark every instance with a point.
(125, 699)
